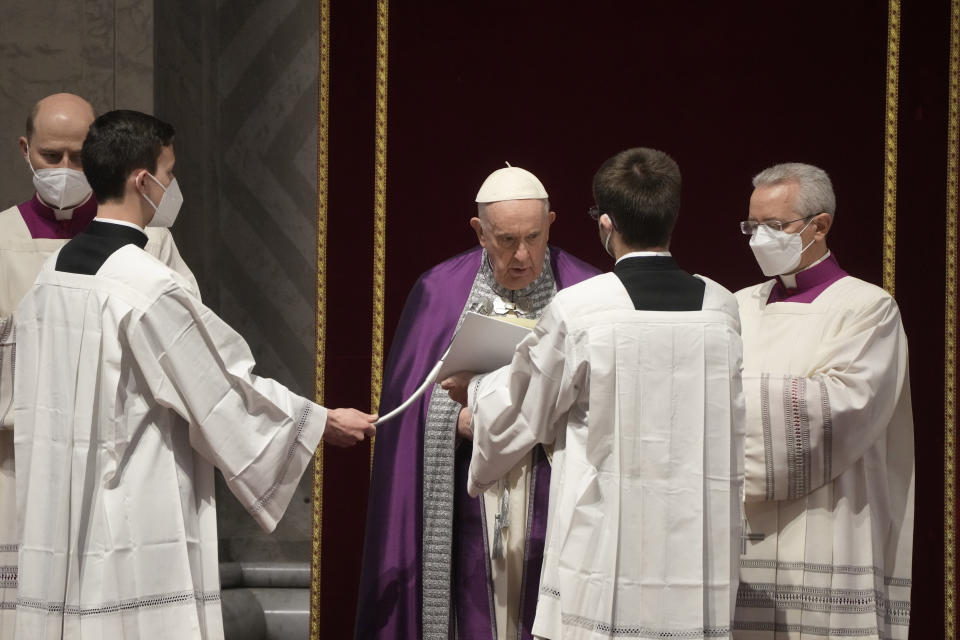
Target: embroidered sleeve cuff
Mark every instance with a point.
(271, 505)
(788, 448)
(475, 489)
(472, 392)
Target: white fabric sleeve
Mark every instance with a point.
(7, 355)
(804, 431)
(161, 245)
(257, 432)
(518, 406)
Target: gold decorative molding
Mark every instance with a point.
(950, 336)
(890, 149)
(379, 212)
(323, 122)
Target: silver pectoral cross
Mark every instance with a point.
(502, 522)
(519, 307)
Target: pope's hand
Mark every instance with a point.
(347, 427)
(465, 424)
(456, 386)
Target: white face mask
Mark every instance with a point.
(777, 252)
(169, 206)
(62, 189)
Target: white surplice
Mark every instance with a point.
(644, 410)
(128, 391)
(829, 471)
(21, 258)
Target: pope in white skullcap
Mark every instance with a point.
(511, 183)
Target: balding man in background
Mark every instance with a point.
(61, 207)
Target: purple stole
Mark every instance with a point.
(810, 283)
(389, 602)
(42, 223)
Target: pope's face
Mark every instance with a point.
(515, 234)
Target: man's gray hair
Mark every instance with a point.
(815, 193)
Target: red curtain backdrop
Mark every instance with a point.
(726, 88)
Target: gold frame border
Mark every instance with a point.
(890, 149)
(323, 160)
(950, 334)
(379, 212)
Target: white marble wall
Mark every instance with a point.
(99, 49)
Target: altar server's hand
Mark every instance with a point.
(347, 427)
(456, 386)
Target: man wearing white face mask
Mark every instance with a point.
(115, 493)
(829, 466)
(61, 207)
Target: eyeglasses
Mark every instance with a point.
(595, 213)
(749, 227)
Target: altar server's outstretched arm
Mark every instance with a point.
(256, 431)
(803, 431)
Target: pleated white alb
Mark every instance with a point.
(128, 391)
(829, 470)
(21, 258)
(645, 413)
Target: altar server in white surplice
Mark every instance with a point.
(128, 391)
(829, 471)
(61, 206)
(633, 379)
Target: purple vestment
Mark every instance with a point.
(810, 283)
(42, 223)
(389, 605)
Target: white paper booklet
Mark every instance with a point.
(482, 344)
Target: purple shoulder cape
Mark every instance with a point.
(41, 222)
(389, 602)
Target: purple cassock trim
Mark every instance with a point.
(390, 597)
(810, 283)
(42, 223)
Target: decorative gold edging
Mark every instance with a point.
(950, 336)
(323, 122)
(379, 212)
(890, 149)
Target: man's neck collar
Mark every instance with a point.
(55, 213)
(119, 211)
(790, 280)
(643, 254)
(125, 223)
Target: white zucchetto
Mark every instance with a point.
(511, 183)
